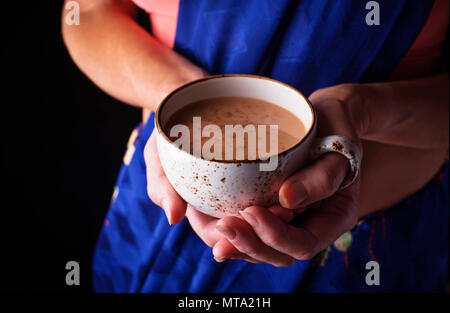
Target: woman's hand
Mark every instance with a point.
(404, 135)
(385, 114)
(162, 193)
(264, 235)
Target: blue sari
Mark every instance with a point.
(309, 45)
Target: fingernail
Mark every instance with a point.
(251, 219)
(299, 195)
(219, 260)
(228, 232)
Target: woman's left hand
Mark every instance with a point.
(264, 235)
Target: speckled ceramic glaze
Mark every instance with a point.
(221, 188)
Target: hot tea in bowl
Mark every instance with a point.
(227, 142)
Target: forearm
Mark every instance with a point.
(390, 173)
(409, 113)
(404, 127)
(121, 57)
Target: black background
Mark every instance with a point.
(62, 147)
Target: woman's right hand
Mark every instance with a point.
(164, 195)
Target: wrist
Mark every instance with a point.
(172, 82)
(354, 99)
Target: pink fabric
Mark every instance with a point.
(163, 18)
(427, 48)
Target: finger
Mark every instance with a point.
(242, 236)
(319, 230)
(277, 234)
(224, 250)
(337, 215)
(204, 226)
(285, 214)
(313, 183)
(159, 188)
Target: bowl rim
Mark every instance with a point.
(210, 77)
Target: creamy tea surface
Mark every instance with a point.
(237, 113)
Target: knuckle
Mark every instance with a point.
(275, 239)
(341, 103)
(331, 179)
(251, 251)
(328, 183)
